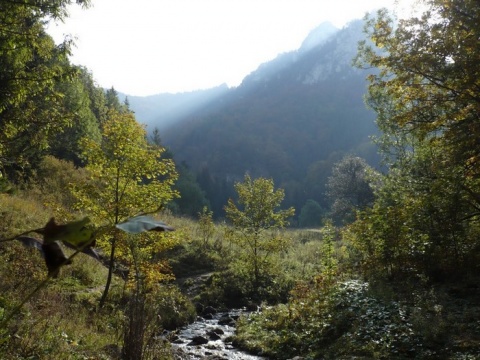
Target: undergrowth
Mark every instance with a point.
(61, 319)
(308, 309)
(346, 319)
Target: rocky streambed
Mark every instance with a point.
(209, 338)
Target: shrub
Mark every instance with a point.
(174, 309)
(330, 320)
(19, 214)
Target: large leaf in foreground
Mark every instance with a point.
(141, 224)
(75, 233)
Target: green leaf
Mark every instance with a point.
(75, 233)
(141, 224)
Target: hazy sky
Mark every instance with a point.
(145, 47)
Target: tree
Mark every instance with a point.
(310, 214)
(253, 220)
(98, 100)
(192, 198)
(32, 64)
(127, 177)
(426, 214)
(84, 123)
(420, 221)
(428, 71)
(112, 101)
(206, 225)
(349, 188)
(156, 140)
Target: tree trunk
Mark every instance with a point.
(110, 274)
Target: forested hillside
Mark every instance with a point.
(290, 120)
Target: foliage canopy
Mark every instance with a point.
(31, 66)
(426, 216)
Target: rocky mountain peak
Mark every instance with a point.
(317, 36)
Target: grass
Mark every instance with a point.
(62, 320)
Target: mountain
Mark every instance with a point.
(161, 110)
(318, 36)
(289, 120)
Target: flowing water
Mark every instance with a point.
(209, 339)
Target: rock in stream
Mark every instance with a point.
(207, 338)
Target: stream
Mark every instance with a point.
(208, 338)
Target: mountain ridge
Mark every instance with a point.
(164, 109)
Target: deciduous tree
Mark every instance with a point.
(31, 65)
(425, 218)
(349, 188)
(311, 214)
(428, 72)
(127, 177)
(255, 220)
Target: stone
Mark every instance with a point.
(213, 336)
(226, 320)
(218, 331)
(198, 340)
(209, 310)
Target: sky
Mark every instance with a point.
(147, 47)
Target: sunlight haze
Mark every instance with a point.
(146, 47)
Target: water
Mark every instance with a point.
(215, 335)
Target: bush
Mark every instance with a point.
(310, 214)
(174, 309)
(330, 321)
(19, 214)
(52, 185)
